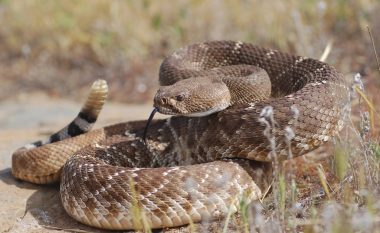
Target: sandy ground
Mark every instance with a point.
(25, 207)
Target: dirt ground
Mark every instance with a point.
(27, 207)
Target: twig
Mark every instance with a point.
(266, 191)
(323, 180)
(374, 48)
(65, 229)
(320, 221)
(327, 51)
(228, 218)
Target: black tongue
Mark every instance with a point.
(148, 123)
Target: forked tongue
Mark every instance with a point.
(148, 123)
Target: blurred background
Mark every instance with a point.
(59, 47)
(51, 51)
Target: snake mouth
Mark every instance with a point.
(176, 112)
(203, 112)
(172, 110)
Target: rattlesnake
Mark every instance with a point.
(190, 168)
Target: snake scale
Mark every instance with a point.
(189, 169)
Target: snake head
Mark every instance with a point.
(193, 97)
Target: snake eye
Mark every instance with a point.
(180, 97)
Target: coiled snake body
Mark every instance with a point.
(190, 168)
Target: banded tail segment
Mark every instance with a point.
(85, 119)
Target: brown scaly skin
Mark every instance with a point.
(213, 91)
(189, 170)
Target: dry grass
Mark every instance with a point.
(348, 203)
(61, 46)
